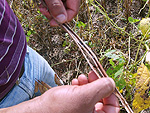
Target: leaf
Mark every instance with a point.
(141, 97)
(36, 87)
(29, 33)
(89, 1)
(58, 80)
(64, 43)
(136, 20)
(131, 20)
(44, 17)
(109, 53)
(119, 72)
(42, 86)
(144, 26)
(80, 24)
(39, 12)
(112, 62)
(120, 83)
(116, 73)
(115, 57)
(27, 38)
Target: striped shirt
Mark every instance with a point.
(12, 48)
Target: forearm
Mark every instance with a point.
(31, 106)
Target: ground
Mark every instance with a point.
(102, 31)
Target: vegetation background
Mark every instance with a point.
(109, 27)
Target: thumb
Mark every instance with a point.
(57, 10)
(97, 90)
(77, 99)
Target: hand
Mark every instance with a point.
(90, 95)
(108, 104)
(62, 10)
(84, 96)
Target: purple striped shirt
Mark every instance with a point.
(12, 48)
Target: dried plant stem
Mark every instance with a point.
(143, 6)
(91, 58)
(140, 44)
(64, 61)
(129, 57)
(94, 63)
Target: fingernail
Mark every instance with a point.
(61, 18)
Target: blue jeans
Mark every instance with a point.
(35, 67)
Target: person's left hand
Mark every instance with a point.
(106, 105)
(90, 95)
(62, 10)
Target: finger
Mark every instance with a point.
(53, 23)
(111, 103)
(92, 76)
(98, 106)
(99, 111)
(111, 109)
(45, 12)
(75, 82)
(96, 91)
(57, 10)
(81, 97)
(82, 79)
(111, 100)
(72, 7)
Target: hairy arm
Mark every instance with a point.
(84, 96)
(31, 106)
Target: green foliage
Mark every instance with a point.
(144, 0)
(89, 43)
(42, 15)
(80, 24)
(116, 69)
(27, 38)
(65, 43)
(148, 66)
(29, 33)
(132, 21)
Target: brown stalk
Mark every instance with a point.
(94, 63)
(91, 59)
(43, 84)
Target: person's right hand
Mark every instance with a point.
(62, 10)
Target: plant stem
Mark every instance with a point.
(140, 44)
(110, 20)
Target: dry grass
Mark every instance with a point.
(99, 33)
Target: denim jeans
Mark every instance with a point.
(35, 67)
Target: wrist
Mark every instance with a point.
(31, 106)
